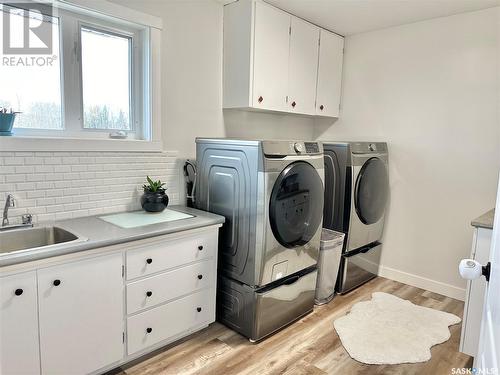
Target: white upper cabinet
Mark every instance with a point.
(331, 54)
(19, 351)
(303, 67)
(81, 315)
(271, 50)
(271, 61)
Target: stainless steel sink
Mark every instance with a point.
(34, 238)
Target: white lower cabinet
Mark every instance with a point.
(19, 350)
(68, 315)
(81, 315)
(158, 324)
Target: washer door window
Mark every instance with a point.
(296, 205)
(372, 191)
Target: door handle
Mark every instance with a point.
(470, 269)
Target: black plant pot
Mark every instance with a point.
(154, 202)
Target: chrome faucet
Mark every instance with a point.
(27, 219)
(8, 204)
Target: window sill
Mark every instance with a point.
(20, 143)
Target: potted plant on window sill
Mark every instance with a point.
(154, 198)
(7, 121)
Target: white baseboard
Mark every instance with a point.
(422, 282)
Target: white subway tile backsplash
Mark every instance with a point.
(63, 185)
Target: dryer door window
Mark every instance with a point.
(296, 204)
(372, 191)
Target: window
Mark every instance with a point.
(106, 78)
(30, 86)
(95, 83)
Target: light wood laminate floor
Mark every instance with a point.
(309, 346)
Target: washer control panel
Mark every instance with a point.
(298, 147)
(306, 147)
(312, 147)
(284, 148)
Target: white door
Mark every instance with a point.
(19, 352)
(81, 315)
(271, 50)
(331, 55)
(488, 356)
(303, 68)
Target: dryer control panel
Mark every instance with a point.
(368, 147)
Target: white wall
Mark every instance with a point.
(191, 69)
(430, 89)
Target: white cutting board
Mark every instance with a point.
(141, 218)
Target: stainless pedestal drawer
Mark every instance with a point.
(256, 313)
(358, 267)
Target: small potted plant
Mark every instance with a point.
(154, 198)
(7, 118)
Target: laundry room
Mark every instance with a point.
(249, 187)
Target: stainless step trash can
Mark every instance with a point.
(328, 265)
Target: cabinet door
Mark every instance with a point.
(303, 71)
(331, 53)
(19, 352)
(81, 315)
(271, 49)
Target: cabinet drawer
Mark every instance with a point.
(169, 285)
(159, 324)
(163, 255)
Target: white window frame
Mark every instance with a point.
(145, 111)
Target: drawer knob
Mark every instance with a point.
(260, 99)
(294, 104)
(200, 277)
(149, 293)
(57, 282)
(321, 107)
(198, 309)
(18, 292)
(149, 330)
(200, 247)
(149, 261)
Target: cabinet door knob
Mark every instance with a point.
(198, 309)
(57, 282)
(149, 293)
(149, 330)
(294, 104)
(149, 261)
(200, 277)
(261, 99)
(321, 107)
(200, 247)
(18, 292)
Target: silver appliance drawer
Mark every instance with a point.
(358, 267)
(256, 313)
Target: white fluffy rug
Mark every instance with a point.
(391, 330)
